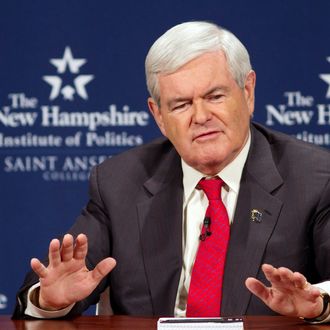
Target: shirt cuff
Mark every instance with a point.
(35, 311)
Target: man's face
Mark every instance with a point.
(204, 113)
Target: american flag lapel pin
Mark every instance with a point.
(256, 216)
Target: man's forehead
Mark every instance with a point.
(200, 75)
(198, 60)
(208, 63)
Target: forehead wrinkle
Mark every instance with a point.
(215, 89)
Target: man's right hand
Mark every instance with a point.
(67, 280)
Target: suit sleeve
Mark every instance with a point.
(321, 234)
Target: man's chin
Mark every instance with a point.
(208, 165)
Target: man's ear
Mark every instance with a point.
(249, 88)
(155, 110)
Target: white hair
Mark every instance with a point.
(185, 42)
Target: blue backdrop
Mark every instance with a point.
(72, 92)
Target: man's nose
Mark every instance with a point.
(201, 113)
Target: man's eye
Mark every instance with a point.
(180, 106)
(215, 97)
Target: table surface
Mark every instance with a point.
(118, 322)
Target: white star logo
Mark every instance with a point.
(79, 83)
(326, 77)
(68, 60)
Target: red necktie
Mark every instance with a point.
(204, 298)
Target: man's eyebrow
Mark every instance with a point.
(170, 103)
(222, 89)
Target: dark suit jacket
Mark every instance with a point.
(135, 215)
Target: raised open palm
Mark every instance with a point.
(289, 294)
(66, 279)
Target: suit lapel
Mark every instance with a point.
(160, 222)
(248, 239)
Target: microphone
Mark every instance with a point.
(206, 229)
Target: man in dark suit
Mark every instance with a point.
(146, 211)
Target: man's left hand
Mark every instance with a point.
(289, 292)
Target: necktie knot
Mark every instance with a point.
(211, 188)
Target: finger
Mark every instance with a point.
(54, 255)
(314, 293)
(311, 292)
(81, 247)
(38, 268)
(286, 278)
(67, 247)
(102, 269)
(258, 288)
(271, 273)
(300, 281)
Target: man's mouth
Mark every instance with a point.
(206, 136)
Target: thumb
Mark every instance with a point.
(257, 288)
(102, 269)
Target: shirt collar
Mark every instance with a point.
(231, 174)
